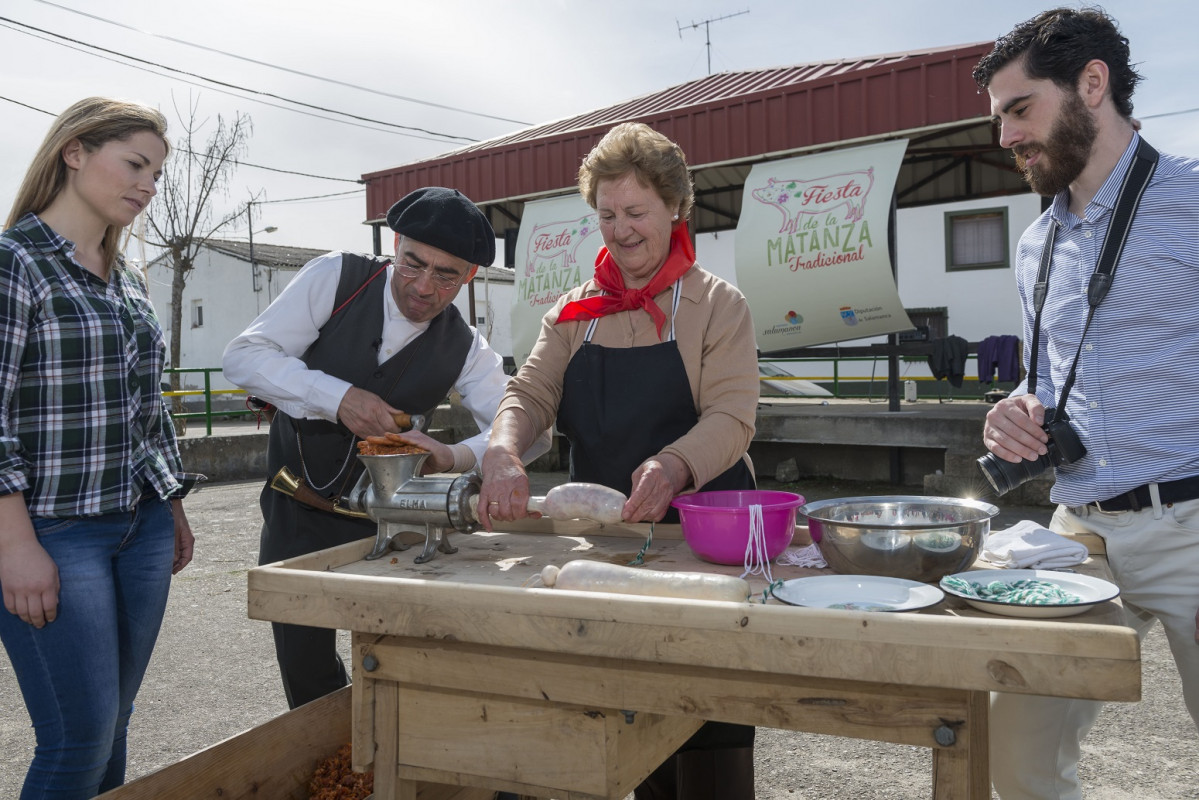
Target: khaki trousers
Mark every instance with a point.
(1154, 556)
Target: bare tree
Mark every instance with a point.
(181, 218)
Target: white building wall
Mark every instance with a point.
(224, 288)
(981, 302)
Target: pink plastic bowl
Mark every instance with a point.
(716, 524)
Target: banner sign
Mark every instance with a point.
(811, 247)
(555, 252)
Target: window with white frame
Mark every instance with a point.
(197, 313)
(976, 239)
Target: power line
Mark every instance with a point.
(283, 69)
(290, 171)
(1170, 113)
(234, 86)
(26, 105)
(239, 88)
(310, 197)
(224, 92)
(189, 152)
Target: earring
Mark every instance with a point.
(676, 216)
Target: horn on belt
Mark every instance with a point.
(295, 488)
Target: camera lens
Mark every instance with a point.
(1005, 476)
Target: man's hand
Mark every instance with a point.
(366, 414)
(655, 483)
(1013, 429)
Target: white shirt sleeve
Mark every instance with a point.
(265, 358)
(482, 384)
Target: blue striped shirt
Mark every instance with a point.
(1135, 403)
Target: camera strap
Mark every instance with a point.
(1136, 180)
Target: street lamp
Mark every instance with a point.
(253, 263)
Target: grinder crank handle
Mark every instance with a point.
(408, 422)
(591, 501)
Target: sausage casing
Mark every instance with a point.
(583, 501)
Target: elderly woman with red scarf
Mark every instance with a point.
(650, 370)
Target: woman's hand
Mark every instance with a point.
(30, 580)
(655, 483)
(505, 491)
(27, 572)
(185, 542)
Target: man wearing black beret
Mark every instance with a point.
(349, 343)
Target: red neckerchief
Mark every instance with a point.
(618, 298)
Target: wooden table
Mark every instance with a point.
(468, 674)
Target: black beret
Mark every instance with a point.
(445, 219)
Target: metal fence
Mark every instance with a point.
(873, 386)
(844, 386)
(208, 393)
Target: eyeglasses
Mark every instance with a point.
(441, 281)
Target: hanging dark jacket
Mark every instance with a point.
(948, 359)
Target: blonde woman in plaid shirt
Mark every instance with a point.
(91, 520)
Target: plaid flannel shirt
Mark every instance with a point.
(83, 428)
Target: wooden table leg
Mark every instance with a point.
(963, 772)
(387, 754)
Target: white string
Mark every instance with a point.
(757, 562)
(809, 556)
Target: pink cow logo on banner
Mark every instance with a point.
(795, 198)
(555, 239)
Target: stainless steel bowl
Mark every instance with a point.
(917, 538)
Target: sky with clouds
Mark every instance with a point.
(410, 79)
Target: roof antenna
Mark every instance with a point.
(707, 31)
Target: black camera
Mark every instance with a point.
(1064, 447)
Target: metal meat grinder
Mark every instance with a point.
(395, 495)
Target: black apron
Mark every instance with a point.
(621, 405)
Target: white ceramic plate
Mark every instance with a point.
(1090, 591)
(859, 593)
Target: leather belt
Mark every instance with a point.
(1138, 498)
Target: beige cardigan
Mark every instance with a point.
(715, 336)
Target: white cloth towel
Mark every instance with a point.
(1026, 545)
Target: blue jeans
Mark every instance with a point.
(80, 673)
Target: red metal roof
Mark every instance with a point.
(727, 117)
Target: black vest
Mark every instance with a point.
(416, 379)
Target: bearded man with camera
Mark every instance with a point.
(1109, 277)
